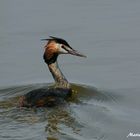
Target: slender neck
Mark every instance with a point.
(58, 76)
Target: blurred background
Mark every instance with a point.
(108, 32)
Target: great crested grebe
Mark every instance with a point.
(62, 89)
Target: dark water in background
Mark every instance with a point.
(107, 82)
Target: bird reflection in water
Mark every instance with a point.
(60, 119)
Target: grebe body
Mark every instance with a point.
(62, 89)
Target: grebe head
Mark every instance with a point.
(56, 46)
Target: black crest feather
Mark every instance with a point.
(58, 40)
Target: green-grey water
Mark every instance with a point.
(106, 91)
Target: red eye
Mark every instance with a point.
(63, 46)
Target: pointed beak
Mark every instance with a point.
(76, 53)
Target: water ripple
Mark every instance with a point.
(67, 121)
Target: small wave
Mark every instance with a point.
(81, 93)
